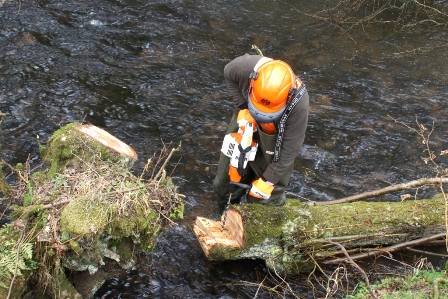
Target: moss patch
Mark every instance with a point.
(365, 218)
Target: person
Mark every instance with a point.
(275, 101)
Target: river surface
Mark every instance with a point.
(150, 73)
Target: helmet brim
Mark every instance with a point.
(264, 117)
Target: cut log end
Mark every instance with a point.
(108, 140)
(210, 233)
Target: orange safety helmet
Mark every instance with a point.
(269, 90)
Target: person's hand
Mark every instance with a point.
(261, 189)
(244, 117)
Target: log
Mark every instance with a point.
(211, 234)
(293, 237)
(108, 140)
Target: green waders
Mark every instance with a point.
(255, 170)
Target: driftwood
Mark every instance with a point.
(294, 237)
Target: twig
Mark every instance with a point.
(125, 190)
(172, 222)
(352, 262)
(426, 252)
(388, 249)
(320, 18)
(250, 284)
(298, 196)
(166, 161)
(50, 205)
(284, 281)
(389, 189)
(17, 172)
(358, 237)
(259, 286)
(436, 287)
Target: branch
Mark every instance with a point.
(388, 249)
(50, 205)
(166, 161)
(426, 252)
(393, 188)
(352, 262)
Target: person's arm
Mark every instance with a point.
(293, 138)
(236, 75)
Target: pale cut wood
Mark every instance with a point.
(210, 233)
(108, 140)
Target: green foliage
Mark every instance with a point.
(4, 187)
(26, 212)
(15, 257)
(418, 286)
(59, 180)
(178, 212)
(28, 199)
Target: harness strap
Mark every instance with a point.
(281, 124)
(243, 151)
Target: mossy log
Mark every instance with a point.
(296, 237)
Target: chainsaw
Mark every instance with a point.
(235, 185)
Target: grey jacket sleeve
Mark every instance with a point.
(236, 74)
(293, 138)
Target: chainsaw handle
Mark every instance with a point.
(241, 185)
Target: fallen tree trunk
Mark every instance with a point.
(293, 237)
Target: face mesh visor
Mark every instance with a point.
(264, 117)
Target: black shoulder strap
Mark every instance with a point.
(298, 94)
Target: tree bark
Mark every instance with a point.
(293, 237)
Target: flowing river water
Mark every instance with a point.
(150, 73)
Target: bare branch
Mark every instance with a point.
(166, 161)
(387, 249)
(352, 262)
(390, 189)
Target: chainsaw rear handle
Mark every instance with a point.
(241, 185)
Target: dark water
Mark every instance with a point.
(150, 72)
